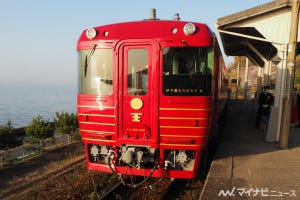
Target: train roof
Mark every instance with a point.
(144, 29)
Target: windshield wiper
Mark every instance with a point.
(88, 59)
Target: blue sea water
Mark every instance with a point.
(20, 103)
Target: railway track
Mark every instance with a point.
(110, 193)
(164, 190)
(18, 189)
(18, 178)
(121, 191)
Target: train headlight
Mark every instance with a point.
(91, 33)
(189, 29)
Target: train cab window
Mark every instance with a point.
(137, 72)
(95, 72)
(187, 71)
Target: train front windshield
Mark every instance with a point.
(187, 71)
(95, 72)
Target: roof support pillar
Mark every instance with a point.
(286, 118)
(273, 131)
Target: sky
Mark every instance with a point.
(38, 37)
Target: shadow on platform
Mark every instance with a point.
(247, 167)
(241, 137)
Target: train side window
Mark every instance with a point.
(137, 72)
(187, 71)
(95, 72)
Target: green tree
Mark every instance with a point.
(39, 128)
(7, 138)
(66, 123)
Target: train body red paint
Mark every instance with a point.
(148, 96)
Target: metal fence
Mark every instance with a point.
(29, 150)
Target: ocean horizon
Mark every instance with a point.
(21, 102)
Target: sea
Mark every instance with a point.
(20, 103)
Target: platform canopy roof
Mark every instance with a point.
(270, 23)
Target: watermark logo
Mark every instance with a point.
(256, 192)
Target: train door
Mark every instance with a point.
(138, 95)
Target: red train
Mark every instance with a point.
(148, 96)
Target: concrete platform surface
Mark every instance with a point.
(247, 167)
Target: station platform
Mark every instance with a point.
(247, 167)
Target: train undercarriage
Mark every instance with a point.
(142, 159)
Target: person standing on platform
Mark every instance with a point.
(265, 101)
